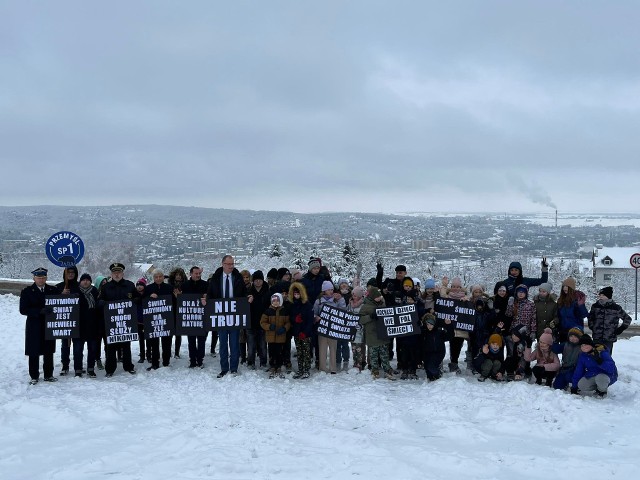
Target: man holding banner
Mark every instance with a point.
(32, 304)
(118, 289)
(226, 283)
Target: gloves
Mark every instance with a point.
(545, 265)
(281, 331)
(379, 267)
(620, 329)
(298, 318)
(532, 337)
(510, 301)
(574, 390)
(272, 327)
(528, 340)
(302, 336)
(597, 357)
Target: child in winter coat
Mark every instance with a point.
(275, 322)
(408, 346)
(500, 322)
(378, 347)
(547, 362)
(604, 319)
(301, 319)
(515, 363)
(546, 309)
(523, 314)
(325, 343)
(490, 361)
(358, 347)
(570, 351)
(571, 309)
(456, 292)
(484, 319)
(434, 338)
(595, 370)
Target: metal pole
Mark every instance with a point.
(636, 294)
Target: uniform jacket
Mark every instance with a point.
(31, 305)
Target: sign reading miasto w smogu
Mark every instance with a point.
(64, 249)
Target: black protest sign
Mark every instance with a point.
(337, 323)
(62, 319)
(459, 312)
(190, 316)
(120, 321)
(157, 317)
(227, 314)
(397, 321)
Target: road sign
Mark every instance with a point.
(64, 249)
(635, 260)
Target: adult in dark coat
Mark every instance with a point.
(156, 289)
(312, 281)
(32, 304)
(89, 327)
(117, 289)
(195, 285)
(515, 278)
(68, 286)
(227, 282)
(256, 342)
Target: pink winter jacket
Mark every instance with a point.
(551, 362)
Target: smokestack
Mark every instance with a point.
(556, 219)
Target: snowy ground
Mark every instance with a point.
(178, 423)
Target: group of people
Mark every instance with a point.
(512, 329)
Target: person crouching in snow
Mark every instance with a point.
(378, 347)
(434, 338)
(570, 351)
(595, 371)
(275, 322)
(547, 362)
(490, 361)
(515, 363)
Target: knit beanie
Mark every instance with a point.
(575, 332)
(273, 273)
(374, 293)
(142, 281)
(372, 282)
(547, 287)
(314, 262)
(407, 281)
(569, 282)
(430, 283)
(607, 292)
(327, 285)
(586, 340)
(401, 268)
(257, 275)
(547, 336)
(496, 338)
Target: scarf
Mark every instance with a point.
(90, 298)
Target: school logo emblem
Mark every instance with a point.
(64, 249)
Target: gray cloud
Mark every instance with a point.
(373, 106)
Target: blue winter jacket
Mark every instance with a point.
(588, 367)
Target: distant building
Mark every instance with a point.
(611, 261)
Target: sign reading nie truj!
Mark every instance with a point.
(121, 321)
(337, 323)
(62, 317)
(190, 316)
(397, 321)
(157, 317)
(457, 311)
(227, 313)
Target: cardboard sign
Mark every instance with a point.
(459, 312)
(337, 323)
(63, 321)
(397, 321)
(121, 321)
(190, 315)
(157, 317)
(228, 313)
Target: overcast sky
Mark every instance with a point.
(374, 106)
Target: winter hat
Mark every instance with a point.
(358, 292)
(314, 262)
(516, 331)
(257, 275)
(575, 332)
(517, 265)
(607, 292)
(372, 282)
(522, 288)
(401, 268)
(547, 336)
(586, 340)
(407, 281)
(502, 287)
(327, 285)
(429, 318)
(142, 281)
(343, 280)
(85, 276)
(430, 283)
(569, 282)
(374, 293)
(273, 273)
(99, 280)
(282, 272)
(278, 296)
(546, 286)
(496, 338)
